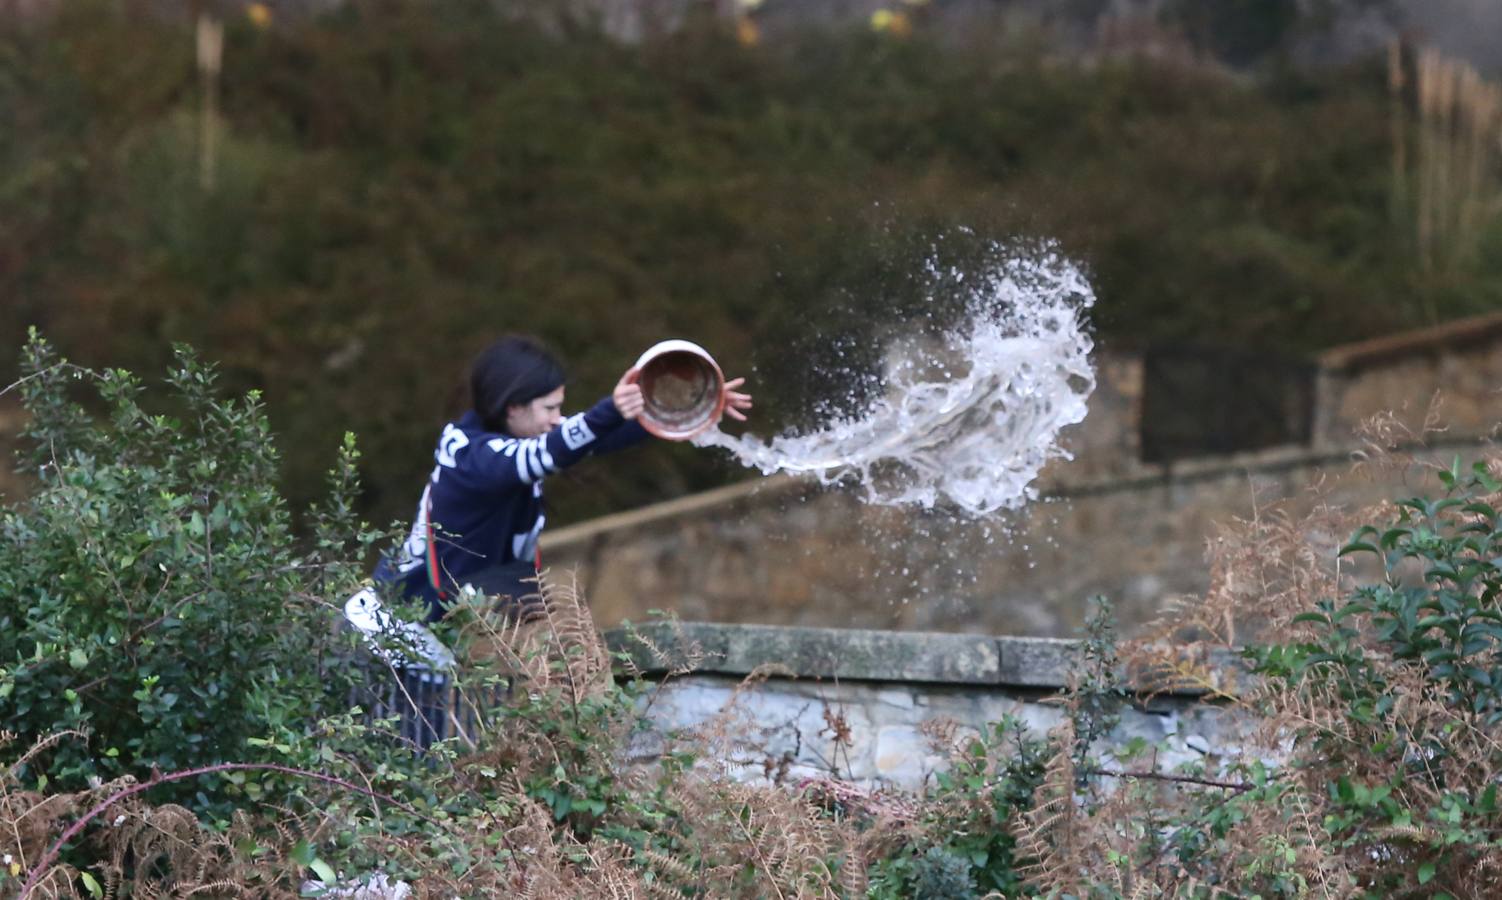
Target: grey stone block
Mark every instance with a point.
(832, 653)
(900, 657)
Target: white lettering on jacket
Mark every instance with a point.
(576, 432)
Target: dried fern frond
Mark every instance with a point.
(1048, 834)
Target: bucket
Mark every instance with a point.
(683, 389)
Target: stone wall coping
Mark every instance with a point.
(1266, 460)
(1361, 354)
(860, 655)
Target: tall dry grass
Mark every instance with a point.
(1453, 178)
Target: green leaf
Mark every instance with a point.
(1390, 536)
(1481, 509)
(1344, 790)
(1442, 571)
(302, 853)
(325, 871)
(1426, 872)
(92, 885)
(77, 658)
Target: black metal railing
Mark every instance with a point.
(1203, 401)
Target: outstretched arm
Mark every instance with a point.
(504, 463)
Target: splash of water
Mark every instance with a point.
(969, 419)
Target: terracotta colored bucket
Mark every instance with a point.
(683, 387)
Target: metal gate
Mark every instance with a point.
(1203, 401)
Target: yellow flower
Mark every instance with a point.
(259, 14)
(746, 32)
(894, 23)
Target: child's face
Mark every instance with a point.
(537, 418)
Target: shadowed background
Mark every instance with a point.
(395, 183)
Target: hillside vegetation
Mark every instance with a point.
(398, 182)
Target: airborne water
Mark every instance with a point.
(966, 420)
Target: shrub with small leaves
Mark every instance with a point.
(152, 594)
(1395, 690)
(942, 875)
(991, 778)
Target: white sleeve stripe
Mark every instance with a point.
(521, 468)
(533, 465)
(547, 459)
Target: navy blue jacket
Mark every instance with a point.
(482, 509)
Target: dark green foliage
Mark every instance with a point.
(399, 182)
(1449, 616)
(972, 804)
(151, 593)
(1238, 31)
(1099, 692)
(1411, 667)
(943, 875)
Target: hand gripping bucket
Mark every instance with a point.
(683, 388)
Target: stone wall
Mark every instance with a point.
(884, 693)
(1461, 362)
(779, 551)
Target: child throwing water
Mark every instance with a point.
(482, 511)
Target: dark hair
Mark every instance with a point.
(513, 371)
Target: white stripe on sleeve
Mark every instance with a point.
(534, 459)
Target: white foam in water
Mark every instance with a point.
(969, 420)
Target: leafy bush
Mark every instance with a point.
(151, 594)
(1399, 686)
(1368, 764)
(943, 875)
(967, 816)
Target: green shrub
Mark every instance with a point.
(967, 815)
(943, 875)
(151, 593)
(1394, 693)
